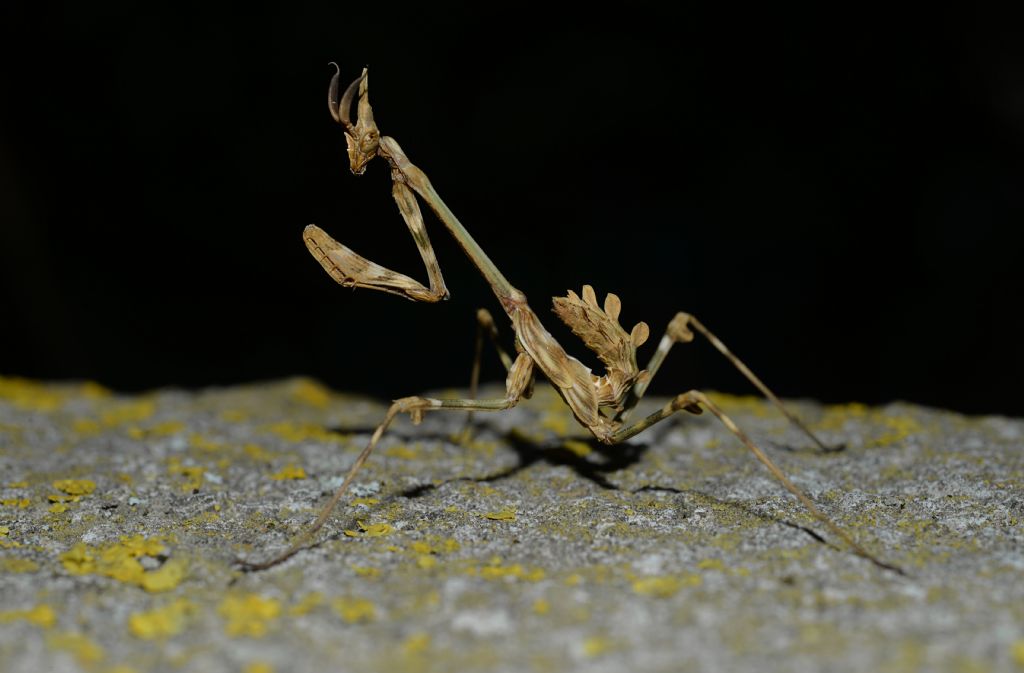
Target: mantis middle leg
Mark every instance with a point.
(485, 326)
(520, 379)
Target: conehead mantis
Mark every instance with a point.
(602, 404)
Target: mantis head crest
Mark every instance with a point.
(363, 138)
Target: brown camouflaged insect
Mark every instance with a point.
(600, 403)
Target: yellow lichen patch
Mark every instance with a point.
(581, 449)
(504, 514)
(86, 426)
(79, 560)
(419, 546)
(836, 415)
(366, 571)
(309, 602)
(1017, 652)
(166, 577)
(18, 565)
(417, 643)
(741, 404)
(29, 395)
(426, 551)
(140, 546)
(370, 530)
(897, 428)
(302, 432)
(120, 564)
(202, 519)
(494, 569)
(541, 606)
(85, 651)
(664, 587)
(365, 501)
(466, 440)
(248, 614)
(170, 620)
(58, 508)
(42, 616)
(17, 484)
(165, 428)
(20, 503)
(26, 394)
(289, 472)
(91, 390)
(711, 564)
(312, 393)
(257, 452)
(197, 441)
(400, 451)
(234, 415)
(559, 421)
(595, 646)
(75, 486)
(258, 667)
(354, 610)
(127, 412)
(444, 545)
(193, 474)
(120, 561)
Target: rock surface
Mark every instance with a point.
(524, 548)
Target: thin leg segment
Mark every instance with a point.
(676, 331)
(695, 398)
(519, 377)
(485, 326)
(679, 331)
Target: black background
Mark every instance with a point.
(838, 195)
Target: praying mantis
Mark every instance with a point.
(601, 404)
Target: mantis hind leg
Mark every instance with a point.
(694, 401)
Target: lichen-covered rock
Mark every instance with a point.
(521, 547)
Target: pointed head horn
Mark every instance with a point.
(340, 111)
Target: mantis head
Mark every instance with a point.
(363, 138)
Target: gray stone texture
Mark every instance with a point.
(524, 547)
